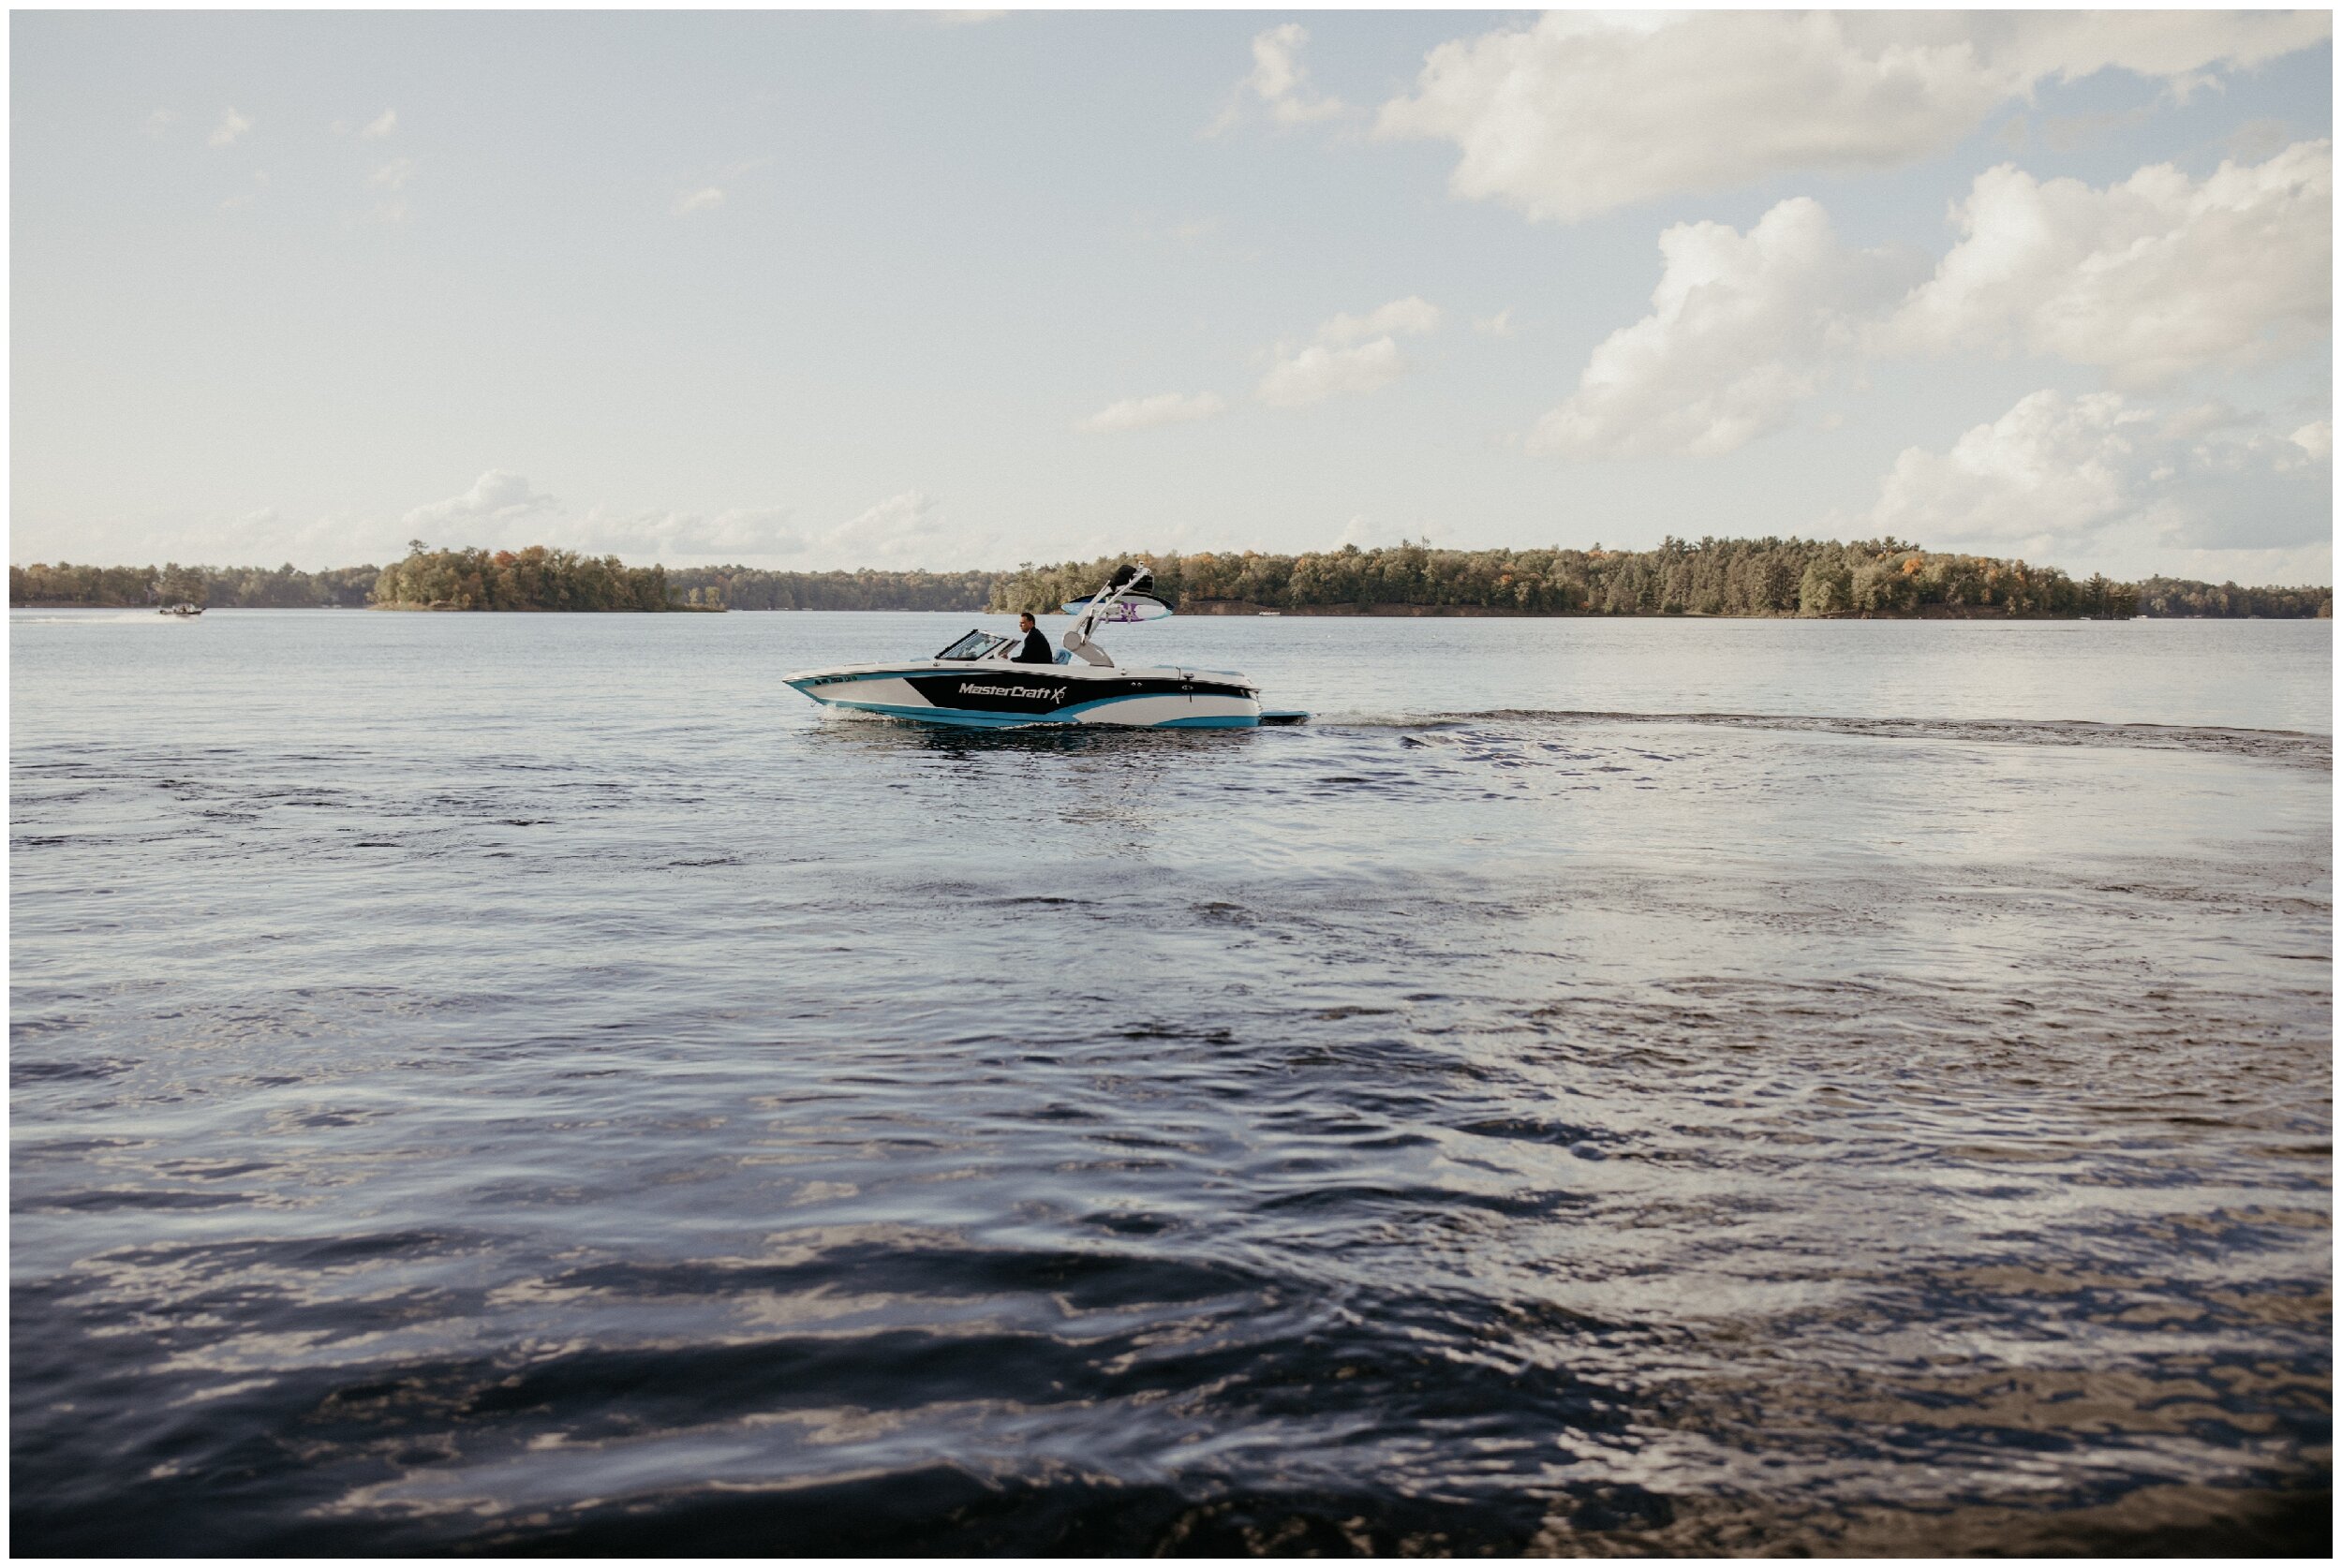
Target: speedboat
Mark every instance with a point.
(975, 684)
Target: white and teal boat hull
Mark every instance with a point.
(993, 694)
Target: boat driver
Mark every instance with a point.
(1036, 648)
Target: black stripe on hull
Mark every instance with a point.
(1039, 691)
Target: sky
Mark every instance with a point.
(948, 291)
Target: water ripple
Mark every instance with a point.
(614, 1109)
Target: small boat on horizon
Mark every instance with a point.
(183, 609)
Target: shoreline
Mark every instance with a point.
(430, 609)
(1237, 608)
(1924, 612)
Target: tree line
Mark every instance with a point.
(1709, 577)
(287, 587)
(537, 578)
(2174, 595)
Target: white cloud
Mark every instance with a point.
(1742, 328)
(1146, 413)
(907, 525)
(700, 201)
(1577, 114)
(2203, 420)
(1498, 325)
(1314, 373)
(1350, 354)
(393, 175)
(739, 532)
(232, 125)
(2182, 48)
(2099, 477)
(1411, 315)
(380, 125)
(2146, 280)
(495, 496)
(2317, 439)
(2051, 468)
(1279, 80)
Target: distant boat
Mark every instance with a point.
(182, 610)
(1268, 612)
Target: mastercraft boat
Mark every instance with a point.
(974, 682)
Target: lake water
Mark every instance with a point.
(1602, 1087)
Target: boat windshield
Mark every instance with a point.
(974, 645)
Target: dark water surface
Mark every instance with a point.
(535, 1081)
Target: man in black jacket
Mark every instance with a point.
(1036, 648)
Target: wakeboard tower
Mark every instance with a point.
(975, 684)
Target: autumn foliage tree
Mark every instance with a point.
(537, 578)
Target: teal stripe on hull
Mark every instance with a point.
(966, 719)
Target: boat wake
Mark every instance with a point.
(2281, 745)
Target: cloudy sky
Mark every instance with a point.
(909, 289)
